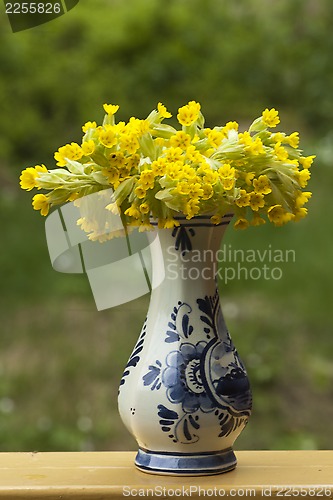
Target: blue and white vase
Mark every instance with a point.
(185, 394)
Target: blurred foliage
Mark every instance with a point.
(61, 360)
(235, 58)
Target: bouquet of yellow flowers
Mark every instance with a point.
(152, 169)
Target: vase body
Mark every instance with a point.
(185, 394)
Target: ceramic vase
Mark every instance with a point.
(185, 394)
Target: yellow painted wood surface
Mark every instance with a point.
(112, 475)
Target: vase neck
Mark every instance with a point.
(189, 252)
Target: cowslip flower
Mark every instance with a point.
(262, 185)
(278, 215)
(107, 137)
(302, 199)
(157, 170)
(257, 220)
(69, 152)
(133, 211)
(110, 109)
(88, 147)
(293, 140)
(227, 171)
(307, 161)
(28, 178)
(164, 113)
(256, 201)
(88, 125)
(243, 199)
(303, 177)
(129, 142)
(144, 208)
(188, 114)
(271, 117)
(180, 140)
(140, 192)
(241, 223)
(41, 202)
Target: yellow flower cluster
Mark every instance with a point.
(156, 170)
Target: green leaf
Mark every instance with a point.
(167, 182)
(147, 146)
(164, 194)
(59, 195)
(100, 159)
(174, 205)
(100, 178)
(124, 189)
(257, 125)
(75, 167)
(165, 131)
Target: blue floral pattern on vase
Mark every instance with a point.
(135, 356)
(183, 240)
(182, 378)
(180, 314)
(203, 377)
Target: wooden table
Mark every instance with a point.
(112, 475)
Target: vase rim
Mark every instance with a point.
(197, 220)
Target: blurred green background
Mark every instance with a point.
(60, 359)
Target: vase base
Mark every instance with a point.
(186, 464)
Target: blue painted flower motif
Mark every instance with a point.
(135, 356)
(180, 316)
(153, 376)
(183, 241)
(182, 377)
(205, 377)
